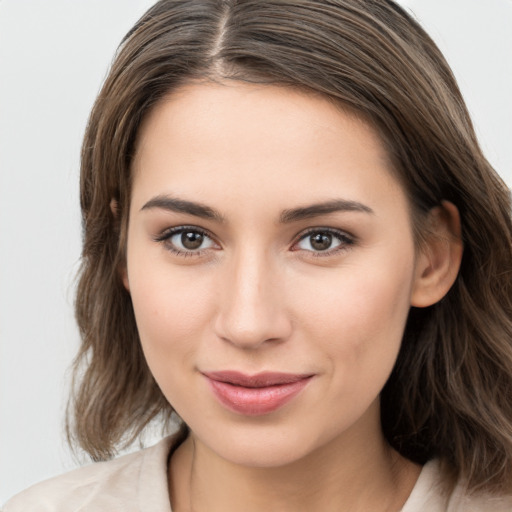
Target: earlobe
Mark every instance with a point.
(122, 270)
(439, 258)
(114, 206)
(124, 277)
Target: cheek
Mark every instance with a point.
(358, 317)
(173, 310)
(167, 312)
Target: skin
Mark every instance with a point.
(257, 295)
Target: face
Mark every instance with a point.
(271, 265)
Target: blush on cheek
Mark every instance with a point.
(368, 318)
(169, 300)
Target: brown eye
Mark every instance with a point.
(325, 241)
(186, 240)
(191, 240)
(321, 241)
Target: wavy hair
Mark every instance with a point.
(449, 395)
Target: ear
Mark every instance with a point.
(439, 257)
(122, 270)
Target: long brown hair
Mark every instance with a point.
(449, 395)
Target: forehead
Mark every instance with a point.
(221, 141)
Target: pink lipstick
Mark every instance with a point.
(255, 395)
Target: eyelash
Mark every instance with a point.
(165, 239)
(345, 240)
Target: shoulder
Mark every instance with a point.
(432, 493)
(103, 486)
(461, 501)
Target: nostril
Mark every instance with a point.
(250, 330)
(251, 311)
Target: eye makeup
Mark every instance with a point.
(195, 241)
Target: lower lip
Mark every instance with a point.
(256, 401)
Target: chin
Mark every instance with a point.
(261, 446)
(269, 455)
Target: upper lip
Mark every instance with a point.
(259, 380)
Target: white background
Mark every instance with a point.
(53, 58)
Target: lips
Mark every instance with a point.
(254, 395)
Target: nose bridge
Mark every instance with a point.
(252, 310)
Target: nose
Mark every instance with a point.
(252, 309)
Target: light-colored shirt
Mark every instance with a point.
(138, 483)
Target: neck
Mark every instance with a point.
(351, 472)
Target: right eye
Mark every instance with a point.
(186, 240)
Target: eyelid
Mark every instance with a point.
(165, 236)
(345, 238)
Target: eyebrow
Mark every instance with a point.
(173, 204)
(315, 210)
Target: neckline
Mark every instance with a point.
(154, 490)
(426, 490)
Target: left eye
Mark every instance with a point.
(322, 241)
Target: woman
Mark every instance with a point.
(293, 242)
